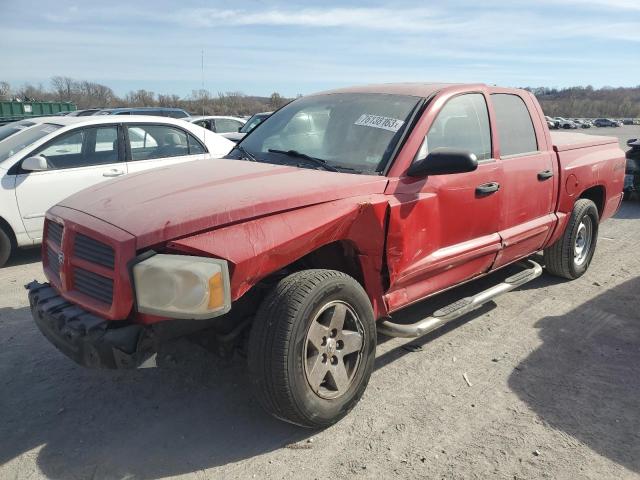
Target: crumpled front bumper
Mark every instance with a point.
(89, 340)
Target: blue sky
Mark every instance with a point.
(258, 47)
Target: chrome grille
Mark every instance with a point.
(93, 285)
(53, 261)
(93, 251)
(54, 232)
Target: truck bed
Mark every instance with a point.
(569, 140)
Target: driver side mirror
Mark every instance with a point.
(444, 161)
(35, 164)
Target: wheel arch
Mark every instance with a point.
(597, 194)
(6, 226)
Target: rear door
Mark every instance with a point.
(156, 145)
(529, 183)
(76, 160)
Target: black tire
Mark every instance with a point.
(560, 258)
(626, 195)
(6, 246)
(278, 355)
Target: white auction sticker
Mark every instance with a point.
(378, 121)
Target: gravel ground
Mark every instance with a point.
(554, 393)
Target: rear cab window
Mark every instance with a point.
(516, 132)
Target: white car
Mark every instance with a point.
(565, 123)
(58, 156)
(218, 123)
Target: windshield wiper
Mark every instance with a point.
(244, 152)
(296, 154)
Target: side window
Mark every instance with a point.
(107, 141)
(463, 123)
(195, 147)
(65, 151)
(204, 124)
(82, 148)
(515, 128)
(177, 113)
(156, 141)
(227, 125)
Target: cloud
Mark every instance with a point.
(407, 19)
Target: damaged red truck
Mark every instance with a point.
(338, 211)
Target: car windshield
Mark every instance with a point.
(350, 131)
(12, 128)
(253, 122)
(17, 142)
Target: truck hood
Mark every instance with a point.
(178, 200)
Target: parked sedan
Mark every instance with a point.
(252, 123)
(565, 123)
(155, 111)
(219, 123)
(605, 122)
(582, 123)
(57, 156)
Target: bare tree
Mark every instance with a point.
(5, 90)
(140, 98)
(64, 88)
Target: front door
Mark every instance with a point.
(76, 160)
(444, 229)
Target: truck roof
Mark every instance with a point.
(412, 89)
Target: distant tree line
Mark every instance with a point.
(87, 94)
(568, 102)
(588, 102)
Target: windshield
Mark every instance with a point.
(12, 128)
(355, 131)
(17, 142)
(253, 122)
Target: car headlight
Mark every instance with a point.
(181, 286)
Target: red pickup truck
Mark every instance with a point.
(338, 211)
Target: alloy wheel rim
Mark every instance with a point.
(582, 244)
(333, 350)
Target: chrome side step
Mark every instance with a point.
(461, 307)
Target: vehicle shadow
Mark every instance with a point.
(585, 378)
(191, 413)
(23, 256)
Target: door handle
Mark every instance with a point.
(545, 175)
(487, 189)
(114, 172)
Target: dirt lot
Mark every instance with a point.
(553, 367)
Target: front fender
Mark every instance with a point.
(259, 247)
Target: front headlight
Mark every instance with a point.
(181, 286)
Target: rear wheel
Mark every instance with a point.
(571, 255)
(312, 347)
(6, 246)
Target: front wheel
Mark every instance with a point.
(571, 255)
(312, 347)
